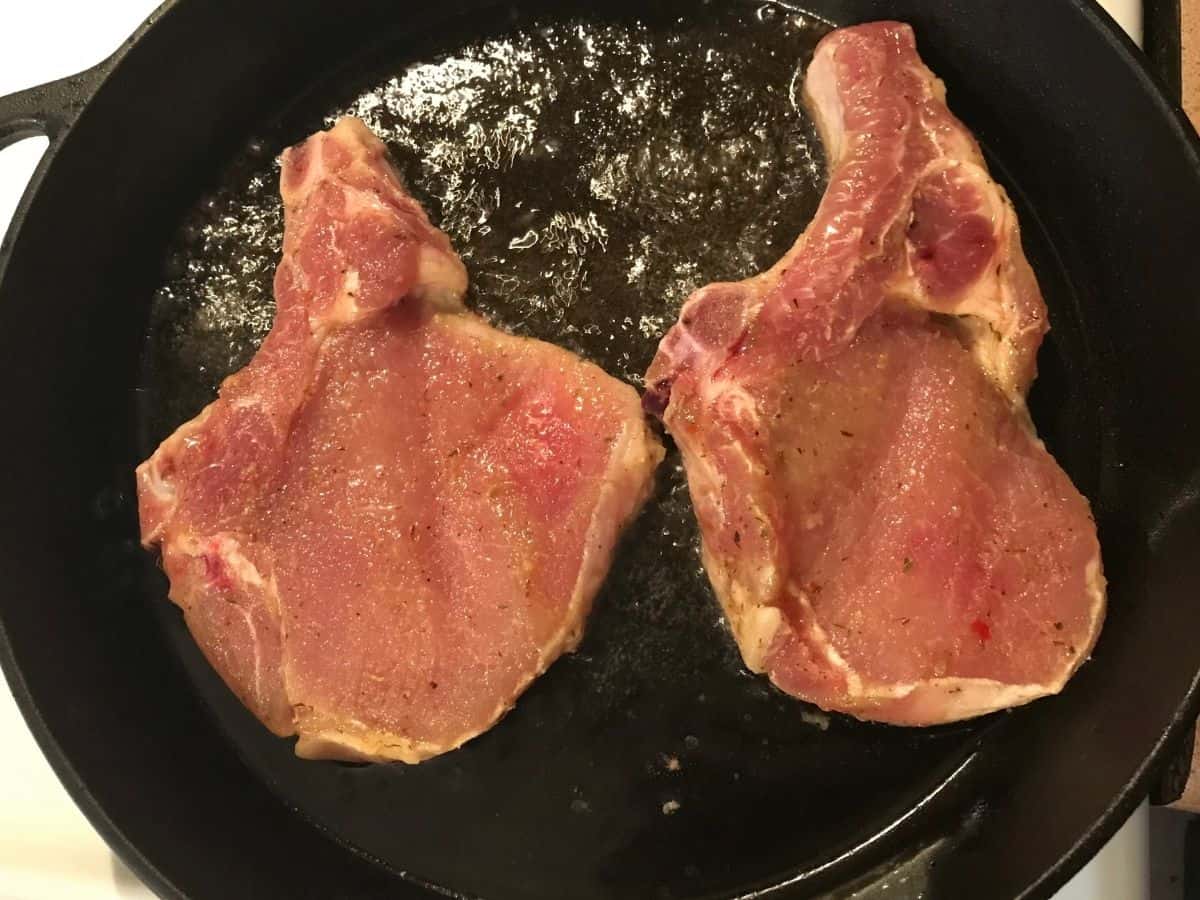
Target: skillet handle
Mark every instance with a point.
(49, 109)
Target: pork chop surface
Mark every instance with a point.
(887, 535)
(395, 516)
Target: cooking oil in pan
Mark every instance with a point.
(591, 174)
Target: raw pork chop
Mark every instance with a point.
(395, 517)
(886, 533)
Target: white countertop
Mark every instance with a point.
(48, 851)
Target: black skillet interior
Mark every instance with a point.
(590, 169)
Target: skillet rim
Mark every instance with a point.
(1137, 788)
(89, 83)
(114, 836)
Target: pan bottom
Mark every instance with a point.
(591, 173)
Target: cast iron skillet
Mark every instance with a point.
(161, 152)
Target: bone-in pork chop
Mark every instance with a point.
(885, 531)
(396, 516)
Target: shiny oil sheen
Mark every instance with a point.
(591, 174)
